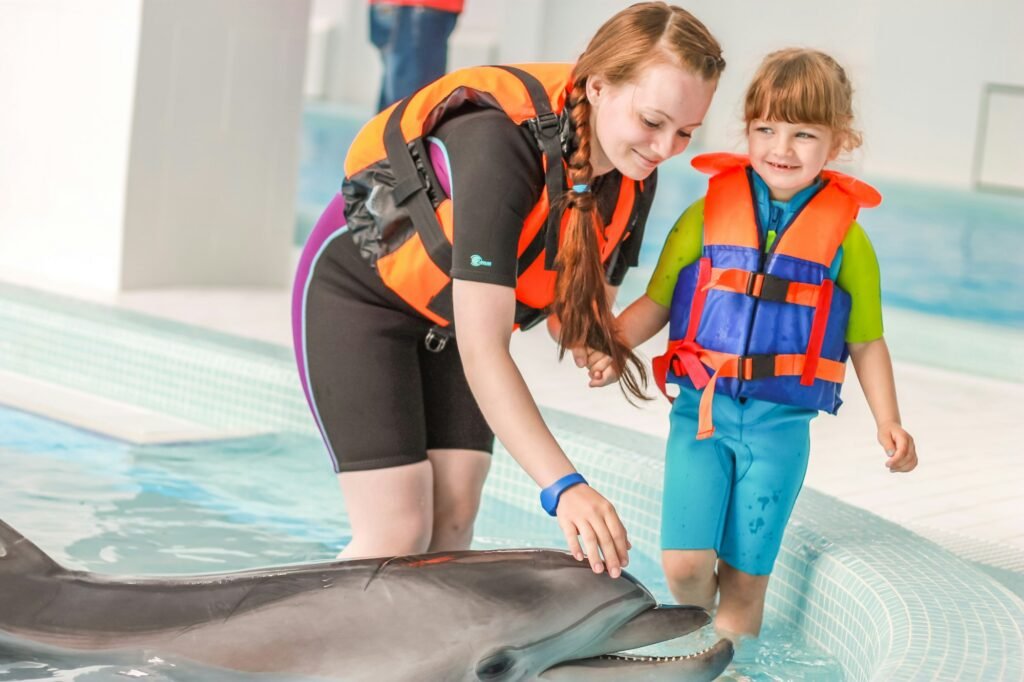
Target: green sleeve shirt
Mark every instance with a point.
(858, 272)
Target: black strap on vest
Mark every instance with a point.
(638, 220)
(546, 130)
(410, 164)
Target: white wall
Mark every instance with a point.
(918, 66)
(67, 74)
(215, 143)
(149, 142)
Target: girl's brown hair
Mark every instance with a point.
(635, 37)
(798, 85)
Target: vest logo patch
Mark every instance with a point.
(478, 262)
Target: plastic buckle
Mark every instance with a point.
(774, 288)
(436, 340)
(545, 126)
(751, 281)
(762, 366)
(424, 171)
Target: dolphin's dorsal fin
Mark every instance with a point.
(18, 554)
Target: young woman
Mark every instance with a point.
(488, 200)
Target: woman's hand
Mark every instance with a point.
(584, 514)
(899, 446)
(598, 364)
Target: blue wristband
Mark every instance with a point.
(549, 496)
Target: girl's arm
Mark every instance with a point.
(484, 316)
(874, 371)
(641, 320)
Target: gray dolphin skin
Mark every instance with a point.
(492, 616)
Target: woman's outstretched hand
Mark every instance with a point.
(586, 516)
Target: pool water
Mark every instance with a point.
(105, 506)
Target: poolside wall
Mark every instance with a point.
(149, 142)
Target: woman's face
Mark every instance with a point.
(639, 124)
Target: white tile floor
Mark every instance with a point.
(969, 431)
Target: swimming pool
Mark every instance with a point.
(110, 507)
(952, 260)
(883, 603)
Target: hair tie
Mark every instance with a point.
(581, 189)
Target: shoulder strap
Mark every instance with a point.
(546, 128)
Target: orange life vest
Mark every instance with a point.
(407, 232)
(767, 326)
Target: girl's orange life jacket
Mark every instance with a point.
(401, 217)
(755, 325)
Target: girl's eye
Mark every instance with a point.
(764, 130)
(650, 124)
(806, 136)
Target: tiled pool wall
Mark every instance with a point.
(887, 604)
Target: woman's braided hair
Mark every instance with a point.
(630, 40)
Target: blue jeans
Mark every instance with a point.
(413, 44)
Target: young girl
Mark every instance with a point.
(443, 224)
(767, 283)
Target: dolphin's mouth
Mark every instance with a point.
(632, 658)
(700, 666)
(606, 661)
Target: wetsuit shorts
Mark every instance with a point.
(363, 362)
(734, 492)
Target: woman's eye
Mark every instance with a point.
(650, 124)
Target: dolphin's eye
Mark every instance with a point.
(495, 666)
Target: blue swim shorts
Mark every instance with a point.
(734, 492)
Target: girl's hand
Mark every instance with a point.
(598, 364)
(583, 513)
(899, 446)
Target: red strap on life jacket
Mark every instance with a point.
(701, 293)
(817, 336)
(682, 354)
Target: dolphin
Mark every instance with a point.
(487, 616)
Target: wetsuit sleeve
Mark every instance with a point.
(682, 247)
(628, 255)
(859, 276)
(497, 177)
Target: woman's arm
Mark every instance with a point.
(484, 316)
(874, 371)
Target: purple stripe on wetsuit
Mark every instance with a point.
(331, 224)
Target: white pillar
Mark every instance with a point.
(149, 142)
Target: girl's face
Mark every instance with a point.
(789, 156)
(638, 125)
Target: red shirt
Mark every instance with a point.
(454, 6)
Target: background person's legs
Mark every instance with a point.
(413, 44)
